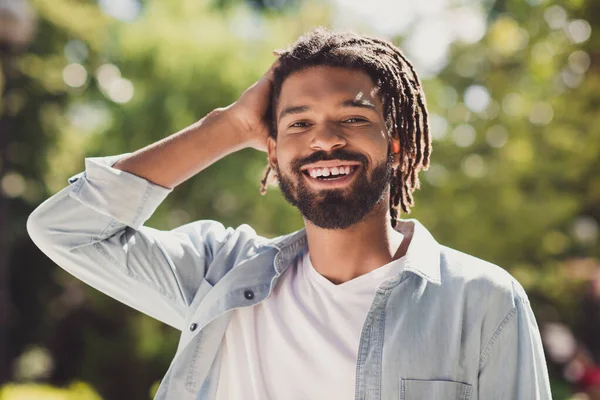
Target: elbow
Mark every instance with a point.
(36, 230)
(47, 235)
(55, 222)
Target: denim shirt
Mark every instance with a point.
(449, 326)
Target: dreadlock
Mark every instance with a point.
(404, 107)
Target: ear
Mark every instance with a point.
(395, 143)
(272, 152)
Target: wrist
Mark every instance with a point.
(232, 125)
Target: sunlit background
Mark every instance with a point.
(513, 90)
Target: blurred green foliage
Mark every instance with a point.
(515, 177)
(75, 391)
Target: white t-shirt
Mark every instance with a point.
(302, 341)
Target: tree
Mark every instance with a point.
(514, 178)
(93, 86)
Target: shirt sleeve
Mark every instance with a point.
(94, 229)
(513, 364)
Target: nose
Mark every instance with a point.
(328, 138)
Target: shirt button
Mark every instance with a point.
(193, 327)
(249, 294)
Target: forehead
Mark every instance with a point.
(323, 84)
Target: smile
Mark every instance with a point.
(330, 177)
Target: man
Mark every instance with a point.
(359, 304)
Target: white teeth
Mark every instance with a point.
(333, 171)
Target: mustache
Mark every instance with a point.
(338, 154)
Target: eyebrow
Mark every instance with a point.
(360, 103)
(351, 103)
(293, 110)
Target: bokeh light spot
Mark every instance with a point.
(121, 90)
(578, 31)
(469, 24)
(579, 61)
(35, 363)
(555, 16)
(477, 98)
(428, 45)
(559, 341)
(585, 230)
(76, 51)
(542, 52)
(446, 97)
(541, 113)
(496, 136)
(438, 126)
(507, 37)
(570, 78)
(514, 104)
(12, 184)
(464, 135)
(106, 74)
(75, 75)
(123, 10)
(88, 117)
(473, 166)
(436, 175)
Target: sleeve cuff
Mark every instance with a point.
(125, 197)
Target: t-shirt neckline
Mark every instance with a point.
(371, 279)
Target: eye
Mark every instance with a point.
(299, 124)
(355, 120)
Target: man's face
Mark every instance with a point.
(332, 153)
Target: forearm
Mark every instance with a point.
(94, 229)
(180, 156)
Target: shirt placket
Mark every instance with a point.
(369, 361)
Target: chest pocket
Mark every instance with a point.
(417, 389)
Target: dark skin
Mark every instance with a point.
(322, 122)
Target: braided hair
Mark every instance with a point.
(404, 107)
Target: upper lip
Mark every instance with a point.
(329, 164)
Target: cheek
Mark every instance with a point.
(283, 161)
(287, 151)
(374, 146)
(383, 142)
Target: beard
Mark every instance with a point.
(337, 208)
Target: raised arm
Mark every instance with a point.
(178, 157)
(94, 228)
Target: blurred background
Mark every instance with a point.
(513, 88)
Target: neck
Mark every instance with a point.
(344, 254)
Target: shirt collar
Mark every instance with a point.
(422, 257)
(423, 254)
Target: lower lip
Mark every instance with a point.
(334, 183)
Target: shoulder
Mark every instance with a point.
(212, 237)
(479, 276)
(488, 292)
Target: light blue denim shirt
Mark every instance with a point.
(449, 326)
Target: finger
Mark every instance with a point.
(270, 72)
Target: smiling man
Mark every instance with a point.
(357, 305)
